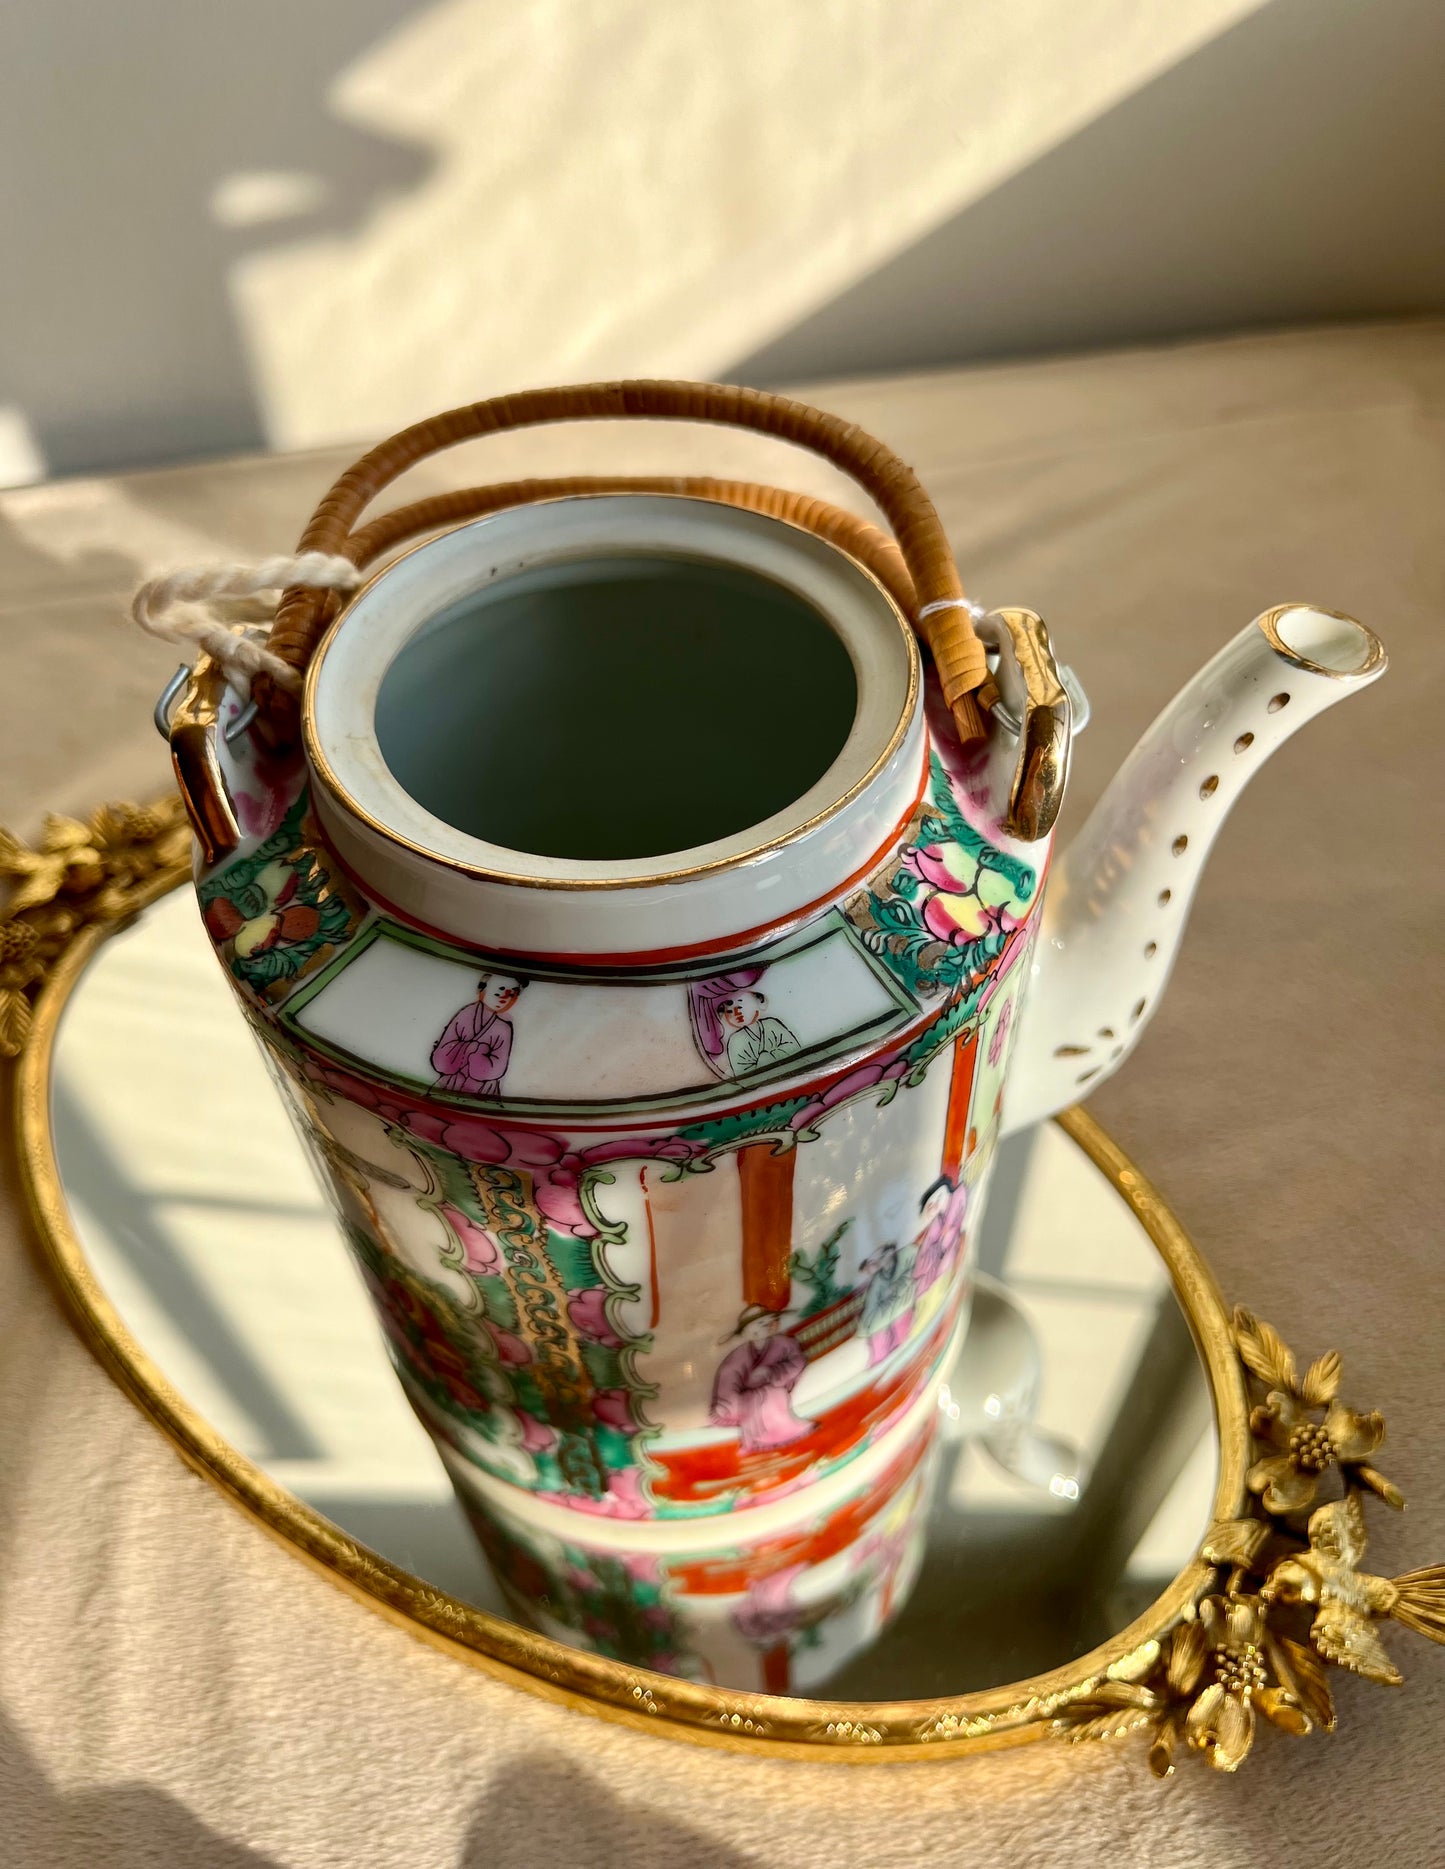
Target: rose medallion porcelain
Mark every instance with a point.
(652, 971)
(777, 1599)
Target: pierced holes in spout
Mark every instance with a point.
(1180, 845)
(1244, 742)
(1164, 897)
(1277, 702)
(1084, 1076)
(1072, 1051)
(1138, 1013)
(1116, 1054)
(1106, 1031)
(1210, 786)
(1151, 949)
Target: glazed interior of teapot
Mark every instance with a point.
(654, 704)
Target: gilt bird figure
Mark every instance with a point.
(1348, 1601)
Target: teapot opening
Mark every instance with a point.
(1324, 642)
(614, 707)
(618, 674)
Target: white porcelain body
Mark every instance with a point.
(651, 1264)
(551, 908)
(663, 1173)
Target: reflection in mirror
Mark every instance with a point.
(1043, 1497)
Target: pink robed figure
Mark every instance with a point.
(753, 1389)
(472, 1054)
(944, 1208)
(768, 1614)
(705, 998)
(888, 1302)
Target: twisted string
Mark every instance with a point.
(977, 611)
(218, 610)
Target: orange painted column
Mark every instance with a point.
(777, 1675)
(765, 1179)
(960, 1095)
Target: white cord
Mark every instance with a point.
(977, 611)
(213, 610)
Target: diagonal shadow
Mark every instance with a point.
(119, 342)
(124, 1826)
(546, 1811)
(1249, 185)
(549, 1811)
(141, 1236)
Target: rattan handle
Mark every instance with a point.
(860, 539)
(894, 487)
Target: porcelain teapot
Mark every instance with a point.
(642, 906)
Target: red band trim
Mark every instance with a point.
(650, 957)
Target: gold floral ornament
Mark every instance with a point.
(1310, 1429)
(77, 874)
(1218, 1670)
(1215, 1674)
(1292, 1605)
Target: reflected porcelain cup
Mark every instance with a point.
(643, 958)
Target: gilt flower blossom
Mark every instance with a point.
(1218, 1665)
(1307, 1448)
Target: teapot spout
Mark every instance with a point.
(1118, 899)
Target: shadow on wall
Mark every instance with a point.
(1291, 170)
(122, 157)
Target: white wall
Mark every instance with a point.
(1293, 169)
(225, 223)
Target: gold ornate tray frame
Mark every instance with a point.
(1248, 1627)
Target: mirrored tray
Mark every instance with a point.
(1081, 1485)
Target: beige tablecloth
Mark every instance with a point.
(176, 1689)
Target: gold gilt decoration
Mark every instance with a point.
(1306, 1424)
(1293, 1600)
(78, 873)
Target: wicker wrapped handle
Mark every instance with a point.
(948, 631)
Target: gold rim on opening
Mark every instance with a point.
(331, 788)
(1375, 656)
